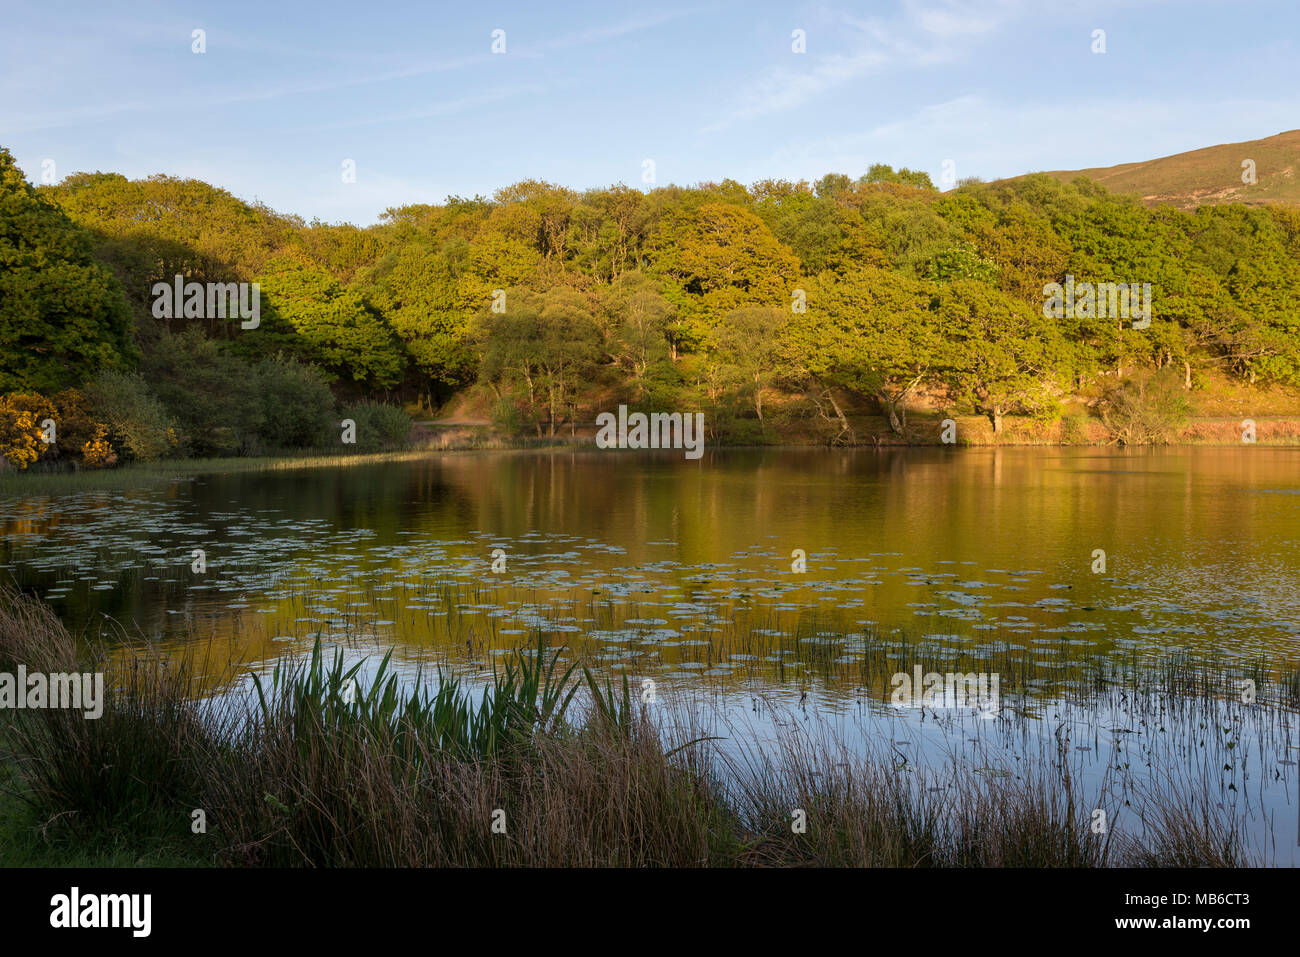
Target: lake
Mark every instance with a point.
(778, 587)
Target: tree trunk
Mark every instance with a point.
(1187, 374)
(839, 414)
(897, 416)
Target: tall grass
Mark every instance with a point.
(315, 766)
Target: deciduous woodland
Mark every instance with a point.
(811, 312)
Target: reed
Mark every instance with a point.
(317, 765)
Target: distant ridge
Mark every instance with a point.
(1208, 176)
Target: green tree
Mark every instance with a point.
(297, 407)
(138, 423)
(210, 393)
(747, 346)
(803, 221)
(639, 318)
(719, 257)
(549, 343)
(340, 331)
(999, 354)
(415, 289)
(882, 173)
(872, 333)
(961, 261)
(153, 229)
(63, 316)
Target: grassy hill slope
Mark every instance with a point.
(1210, 175)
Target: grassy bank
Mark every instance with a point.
(144, 474)
(548, 766)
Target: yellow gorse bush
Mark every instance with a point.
(20, 427)
(98, 453)
(22, 433)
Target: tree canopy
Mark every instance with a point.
(63, 315)
(555, 300)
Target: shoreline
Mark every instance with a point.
(16, 482)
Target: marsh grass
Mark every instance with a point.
(878, 811)
(375, 777)
(146, 474)
(1191, 823)
(316, 767)
(124, 772)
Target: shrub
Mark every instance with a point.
(211, 394)
(137, 422)
(1074, 428)
(297, 405)
(21, 440)
(665, 388)
(506, 416)
(1146, 408)
(379, 427)
(80, 435)
(98, 451)
(733, 424)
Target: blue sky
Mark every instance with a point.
(586, 92)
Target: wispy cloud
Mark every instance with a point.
(89, 114)
(783, 89)
(445, 108)
(45, 120)
(285, 92)
(960, 19)
(923, 34)
(613, 31)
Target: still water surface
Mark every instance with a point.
(768, 581)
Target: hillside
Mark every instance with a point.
(1211, 175)
(827, 311)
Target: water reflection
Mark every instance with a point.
(684, 572)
